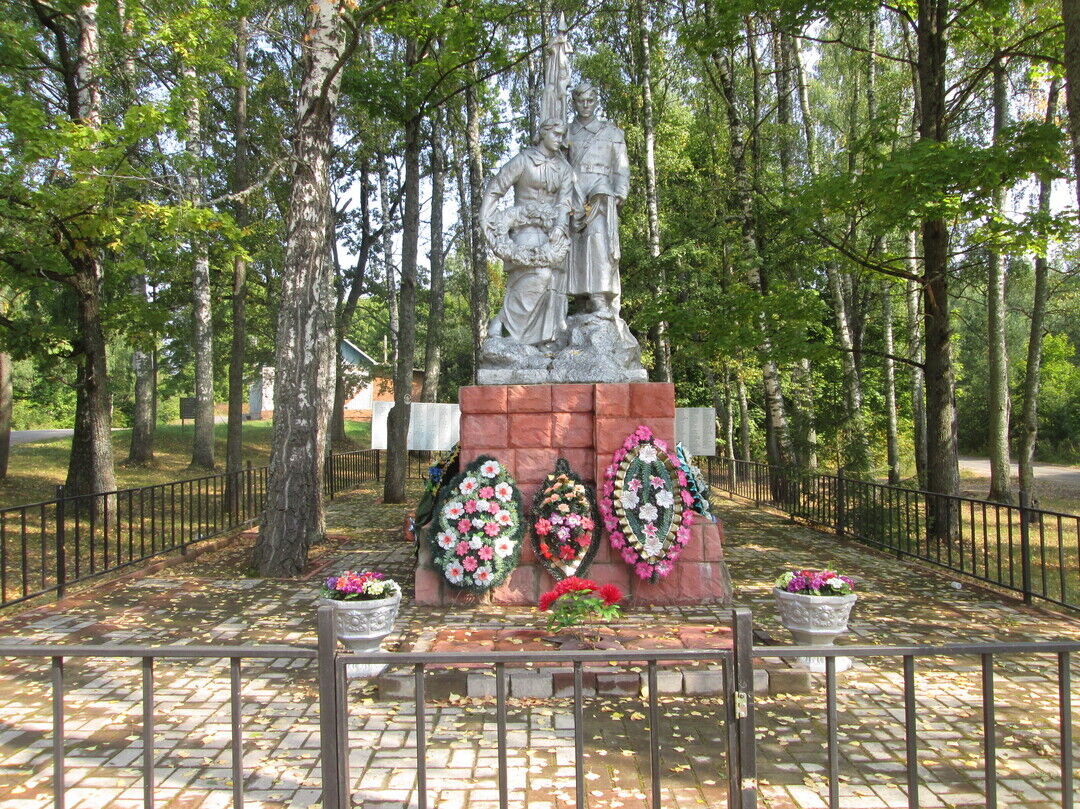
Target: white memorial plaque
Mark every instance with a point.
(432, 426)
(695, 428)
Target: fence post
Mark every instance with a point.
(328, 711)
(328, 473)
(841, 503)
(742, 643)
(1025, 544)
(61, 551)
(249, 495)
(378, 464)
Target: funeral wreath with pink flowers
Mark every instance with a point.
(477, 538)
(646, 506)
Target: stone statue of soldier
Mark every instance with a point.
(597, 151)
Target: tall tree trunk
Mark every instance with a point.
(744, 421)
(397, 428)
(141, 450)
(478, 270)
(90, 467)
(234, 440)
(804, 108)
(1070, 14)
(729, 416)
(658, 333)
(943, 472)
(997, 443)
(388, 259)
(784, 98)
(293, 518)
(719, 409)
(1029, 436)
(857, 445)
(348, 309)
(915, 353)
(892, 431)
(780, 453)
(802, 416)
(6, 402)
(202, 448)
(433, 344)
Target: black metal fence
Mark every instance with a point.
(47, 546)
(738, 738)
(1031, 551)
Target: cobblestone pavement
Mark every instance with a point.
(211, 600)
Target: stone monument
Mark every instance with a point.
(560, 373)
(559, 243)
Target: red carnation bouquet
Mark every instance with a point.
(573, 601)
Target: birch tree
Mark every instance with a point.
(293, 518)
(998, 359)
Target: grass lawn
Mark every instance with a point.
(36, 469)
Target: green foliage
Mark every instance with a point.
(578, 606)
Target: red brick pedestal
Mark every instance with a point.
(527, 427)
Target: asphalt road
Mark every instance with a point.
(1051, 473)
(28, 436)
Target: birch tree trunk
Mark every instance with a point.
(90, 467)
(916, 355)
(202, 448)
(892, 431)
(293, 518)
(478, 270)
(432, 347)
(729, 416)
(6, 403)
(856, 446)
(744, 421)
(397, 428)
(234, 439)
(780, 450)
(1029, 435)
(658, 333)
(997, 443)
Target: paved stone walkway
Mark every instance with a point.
(210, 600)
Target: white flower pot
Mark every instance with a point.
(815, 621)
(361, 627)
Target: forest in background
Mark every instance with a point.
(851, 227)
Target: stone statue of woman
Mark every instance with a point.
(532, 238)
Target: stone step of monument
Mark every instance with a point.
(556, 680)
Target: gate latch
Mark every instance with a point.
(741, 705)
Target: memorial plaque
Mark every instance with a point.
(432, 426)
(695, 427)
